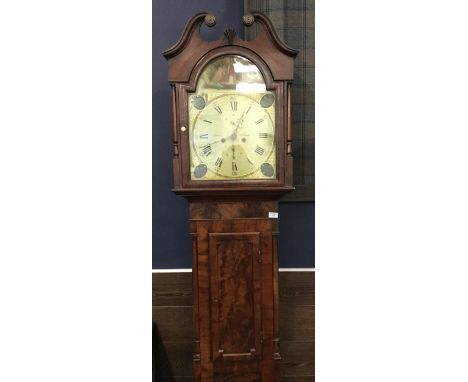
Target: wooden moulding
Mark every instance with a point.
(231, 209)
(191, 48)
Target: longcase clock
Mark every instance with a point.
(232, 160)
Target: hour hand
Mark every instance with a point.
(241, 119)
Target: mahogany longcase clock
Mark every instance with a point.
(232, 160)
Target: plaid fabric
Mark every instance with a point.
(294, 22)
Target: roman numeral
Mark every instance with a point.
(207, 121)
(207, 149)
(204, 136)
(219, 162)
(218, 109)
(259, 150)
(259, 121)
(234, 105)
(263, 135)
(234, 168)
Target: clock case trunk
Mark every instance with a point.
(235, 289)
(234, 235)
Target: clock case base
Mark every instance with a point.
(235, 289)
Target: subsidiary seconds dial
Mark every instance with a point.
(233, 137)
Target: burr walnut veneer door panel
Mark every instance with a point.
(235, 286)
(235, 303)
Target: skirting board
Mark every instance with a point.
(172, 312)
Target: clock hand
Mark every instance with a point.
(219, 140)
(239, 123)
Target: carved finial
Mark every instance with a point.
(230, 34)
(248, 20)
(210, 20)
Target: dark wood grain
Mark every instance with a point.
(298, 287)
(297, 351)
(298, 358)
(297, 322)
(172, 289)
(232, 209)
(235, 290)
(236, 304)
(297, 369)
(175, 322)
(250, 377)
(175, 289)
(296, 327)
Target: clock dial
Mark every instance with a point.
(233, 136)
(232, 123)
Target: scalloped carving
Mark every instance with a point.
(192, 47)
(194, 23)
(230, 35)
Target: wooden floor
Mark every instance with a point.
(172, 311)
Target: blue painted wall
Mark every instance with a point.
(171, 241)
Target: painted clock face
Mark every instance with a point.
(232, 123)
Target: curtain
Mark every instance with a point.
(294, 21)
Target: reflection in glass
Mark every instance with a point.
(232, 72)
